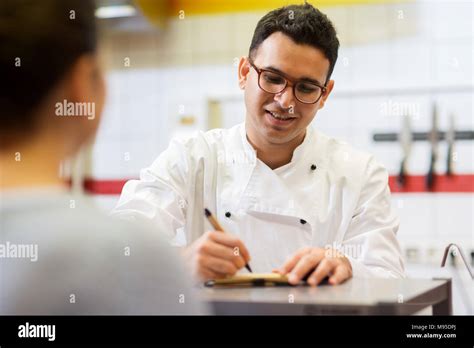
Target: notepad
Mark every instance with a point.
(252, 279)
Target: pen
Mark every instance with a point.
(218, 227)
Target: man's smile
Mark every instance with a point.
(279, 119)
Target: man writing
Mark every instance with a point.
(293, 200)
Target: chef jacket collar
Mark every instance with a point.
(302, 151)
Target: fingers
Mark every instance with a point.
(338, 270)
(340, 274)
(207, 264)
(230, 241)
(292, 261)
(221, 252)
(324, 269)
(305, 265)
(303, 262)
(217, 255)
(207, 274)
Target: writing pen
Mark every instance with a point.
(217, 226)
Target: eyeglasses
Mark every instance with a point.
(275, 83)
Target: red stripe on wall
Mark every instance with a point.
(442, 183)
(104, 187)
(414, 183)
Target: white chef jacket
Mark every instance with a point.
(329, 195)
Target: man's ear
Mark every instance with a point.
(244, 69)
(329, 87)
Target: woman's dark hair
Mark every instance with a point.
(39, 41)
(304, 24)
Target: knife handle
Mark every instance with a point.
(402, 175)
(449, 164)
(430, 177)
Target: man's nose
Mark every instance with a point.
(286, 98)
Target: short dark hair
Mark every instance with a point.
(304, 24)
(40, 40)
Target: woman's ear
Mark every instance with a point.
(86, 87)
(244, 69)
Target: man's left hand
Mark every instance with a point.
(320, 262)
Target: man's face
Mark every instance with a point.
(298, 62)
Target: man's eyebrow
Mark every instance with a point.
(304, 79)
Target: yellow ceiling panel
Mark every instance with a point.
(201, 7)
(157, 10)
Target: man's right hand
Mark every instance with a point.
(216, 255)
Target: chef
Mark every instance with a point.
(290, 198)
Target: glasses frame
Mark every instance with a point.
(288, 82)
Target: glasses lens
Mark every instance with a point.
(307, 92)
(271, 82)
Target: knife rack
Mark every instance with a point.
(453, 183)
(423, 136)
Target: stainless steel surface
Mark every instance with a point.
(356, 296)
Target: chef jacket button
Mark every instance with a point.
(302, 221)
(313, 167)
(228, 214)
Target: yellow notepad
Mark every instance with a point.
(251, 279)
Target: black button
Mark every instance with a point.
(303, 221)
(313, 167)
(228, 214)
